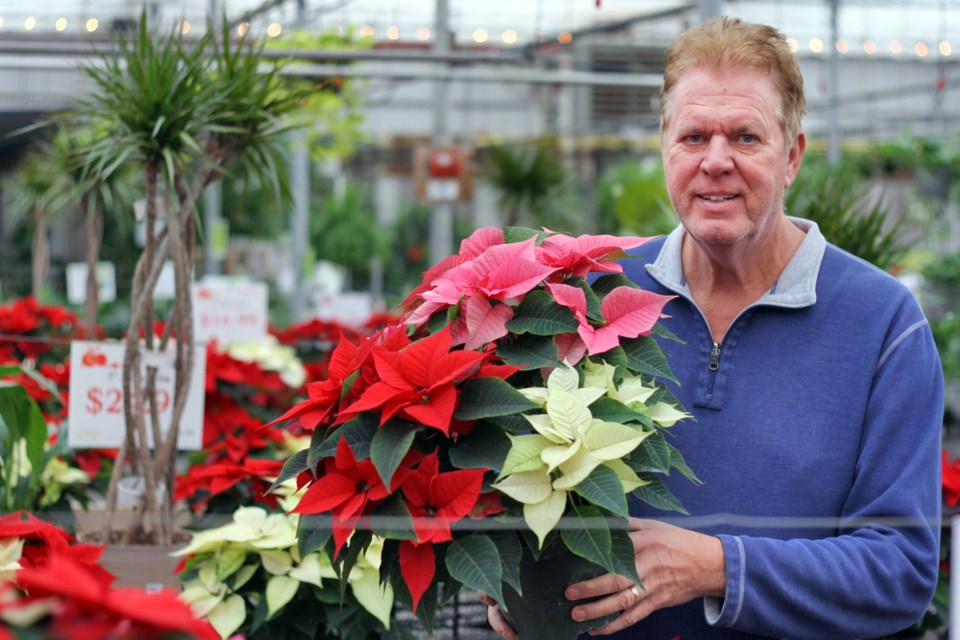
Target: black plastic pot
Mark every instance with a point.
(543, 611)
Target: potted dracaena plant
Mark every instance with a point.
(184, 113)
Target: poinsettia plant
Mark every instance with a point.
(516, 406)
(51, 587)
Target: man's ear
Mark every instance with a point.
(794, 159)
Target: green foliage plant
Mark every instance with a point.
(184, 114)
(837, 198)
(632, 199)
(33, 475)
(532, 183)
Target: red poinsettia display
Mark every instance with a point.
(519, 390)
(30, 330)
(55, 587)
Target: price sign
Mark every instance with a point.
(229, 313)
(96, 396)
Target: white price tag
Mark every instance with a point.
(229, 313)
(96, 397)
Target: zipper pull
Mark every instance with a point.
(714, 357)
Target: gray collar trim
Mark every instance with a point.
(796, 287)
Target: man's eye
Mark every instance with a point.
(748, 138)
(695, 138)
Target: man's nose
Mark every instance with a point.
(717, 157)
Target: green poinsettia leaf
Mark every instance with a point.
(475, 562)
(391, 519)
(349, 555)
(530, 352)
(678, 463)
(587, 534)
(646, 356)
(358, 433)
(622, 553)
(593, 302)
(511, 553)
(539, 314)
(520, 234)
(313, 532)
(657, 494)
(610, 410)
(389, 445)
(229, 561)
(292, 467)
(653, 455)
(489, 397)
(607, 283)
(510, 424)
(660, 330)
(485, 447)
(604, 489)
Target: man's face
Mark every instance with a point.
(724, 155)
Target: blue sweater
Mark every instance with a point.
(817, 438)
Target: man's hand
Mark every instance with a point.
(495, 617)
(675, 566)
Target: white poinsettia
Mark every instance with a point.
(229, 556)
(569, 443)
(271, 356)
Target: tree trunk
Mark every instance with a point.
(93, 236)
(41, 252)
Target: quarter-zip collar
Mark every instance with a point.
(795, 288)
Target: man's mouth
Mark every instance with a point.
(716, 198)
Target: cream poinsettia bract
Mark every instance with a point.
(569, 443)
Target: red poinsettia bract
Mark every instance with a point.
(435, 500)
(418, 382)
(323, 396)
(202, 482)
(346, 489)
(950, 472)
(41, 539)
(85, 607)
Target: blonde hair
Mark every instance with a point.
(730, 43)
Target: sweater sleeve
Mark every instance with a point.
(877, 575)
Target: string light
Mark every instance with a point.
(274, 29)
(92, 25)
(185, 27)
(480, 35)
(242, 28)
(921, 49)
(895, 47)
(945, 48)
(423, 34)
(793, 44)
(816, 45)
(60, 24)
(1, 22)
(565, 38)
(393, 32)
(869, 47)
(367, 31)
(842, 45)
(30, 23)
(509, 36)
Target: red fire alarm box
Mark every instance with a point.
(444, 163)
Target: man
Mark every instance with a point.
(812, 376)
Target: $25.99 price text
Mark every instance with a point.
(110, 400)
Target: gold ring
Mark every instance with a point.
(636, 593)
